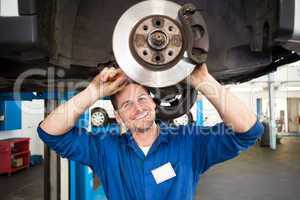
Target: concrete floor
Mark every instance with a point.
(257, 174)
(23, 185)
(260, 173)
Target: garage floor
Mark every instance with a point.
(257, 174)
(23, 185)
(260, 173)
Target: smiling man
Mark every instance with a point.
(150, 161)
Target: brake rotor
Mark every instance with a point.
(156, 41)
(149, 44)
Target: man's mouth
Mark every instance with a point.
(142, 115)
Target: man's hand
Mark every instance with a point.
(64, 117)
(108, 82)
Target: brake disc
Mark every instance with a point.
(158, 43)
(149, 44)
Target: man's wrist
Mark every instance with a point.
(203, 81)
(93, 92)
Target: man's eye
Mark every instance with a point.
(125, 105)
(143, 98)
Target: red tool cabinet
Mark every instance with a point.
(14, 155)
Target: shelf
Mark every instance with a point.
(19, 153)
(16, 140)
(13, 169)
(20, 140)
(14, 149)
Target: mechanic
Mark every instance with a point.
(151, 160)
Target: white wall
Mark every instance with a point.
(290, 72)
(287, 85)
(210, 114)
(32, 114)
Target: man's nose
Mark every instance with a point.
(138, 107)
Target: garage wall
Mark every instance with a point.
(248, 93)
(32, 114)
(210, 114)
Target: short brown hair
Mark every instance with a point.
(114, 101)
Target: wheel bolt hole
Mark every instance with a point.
(145, 53)
(145, 28)
(170, 53)
(170, 28)
(157, 58)
(157, 23)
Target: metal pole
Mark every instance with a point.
(52, 164)
(272, 124)
(199, 114)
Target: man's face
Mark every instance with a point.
(136, 109)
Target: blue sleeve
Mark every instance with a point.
(75, 145)
(212, 145)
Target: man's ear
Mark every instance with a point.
(154, 104)
(118, 118)
(120, 122)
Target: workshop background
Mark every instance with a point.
(270, 170)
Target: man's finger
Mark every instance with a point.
(121, 87)
(98, 77)
(119, 81)
(106, 74)
(103, 74)
(115, 73)
(104, 70)
(112, 74)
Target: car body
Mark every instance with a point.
(62, 44)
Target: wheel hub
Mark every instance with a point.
(157, 41)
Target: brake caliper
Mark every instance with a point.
(195, 32)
